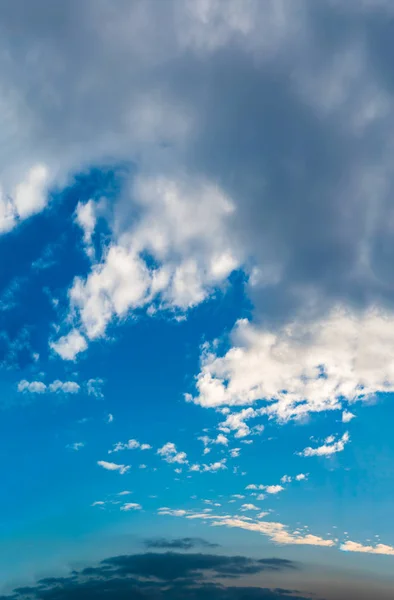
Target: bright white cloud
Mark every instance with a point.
(70, 345)
(110, 466)
(301, 368)
(347, 416)
(329, 448)
(170, 454)
(350, 546)
(85, 217)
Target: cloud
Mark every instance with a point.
(94, 386)
(187, 543)
(68, 387)
(245, 507)
(110, 466)
(170, 454)
(76, 446)
(131, 506)
(34, 387)
(130, 445)
(329, 448)
(85, 217)
(301, 368)
(350, 546)
(110, 418)
(38, 387)
(276, 532)
(178, 576)
(70, 345)
(270, 489)
(347, 416)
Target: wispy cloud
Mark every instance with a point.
(110, 466)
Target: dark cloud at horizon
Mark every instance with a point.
(162, 576)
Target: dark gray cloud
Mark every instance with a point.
(186, 543)
(160, 577)
(289, 111)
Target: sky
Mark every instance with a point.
(196, 299)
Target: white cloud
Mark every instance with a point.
(276, 532)
(247, 506)
(98, 503)
(270, 489)
(85, 217)
(38, 387)
(67, 387)
(347, 416)
(70, 345)
(34, 387)
(215, 466)
(131, 506)
(234, 452)
(274, 489)
(171, 455)
(124, 493)
(110, 466)
(329, 448)
(301, 477)
(350, 546)
(301, 368)
(110, 418)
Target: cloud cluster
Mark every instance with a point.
(38, 387)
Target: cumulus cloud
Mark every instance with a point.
(110, 466)
(347, 416)
(170, 454)
(314, 246)
(301, 368)
(329, 448)
(38, 387)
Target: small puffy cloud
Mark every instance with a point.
(274, 489)
(98, 503)
(234, 452)
(34, 387)
(301, 477)
(350, 546)
(347, 416)
(329, 448)
(131, 506)
(57, 386)
(170, 454)
(124, 493)
(248, 506)
(70, 345)
(110, 418)
(110, 466)
(236, 422)
(67, 387)
(215, 466)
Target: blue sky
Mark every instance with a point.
(196, 290)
